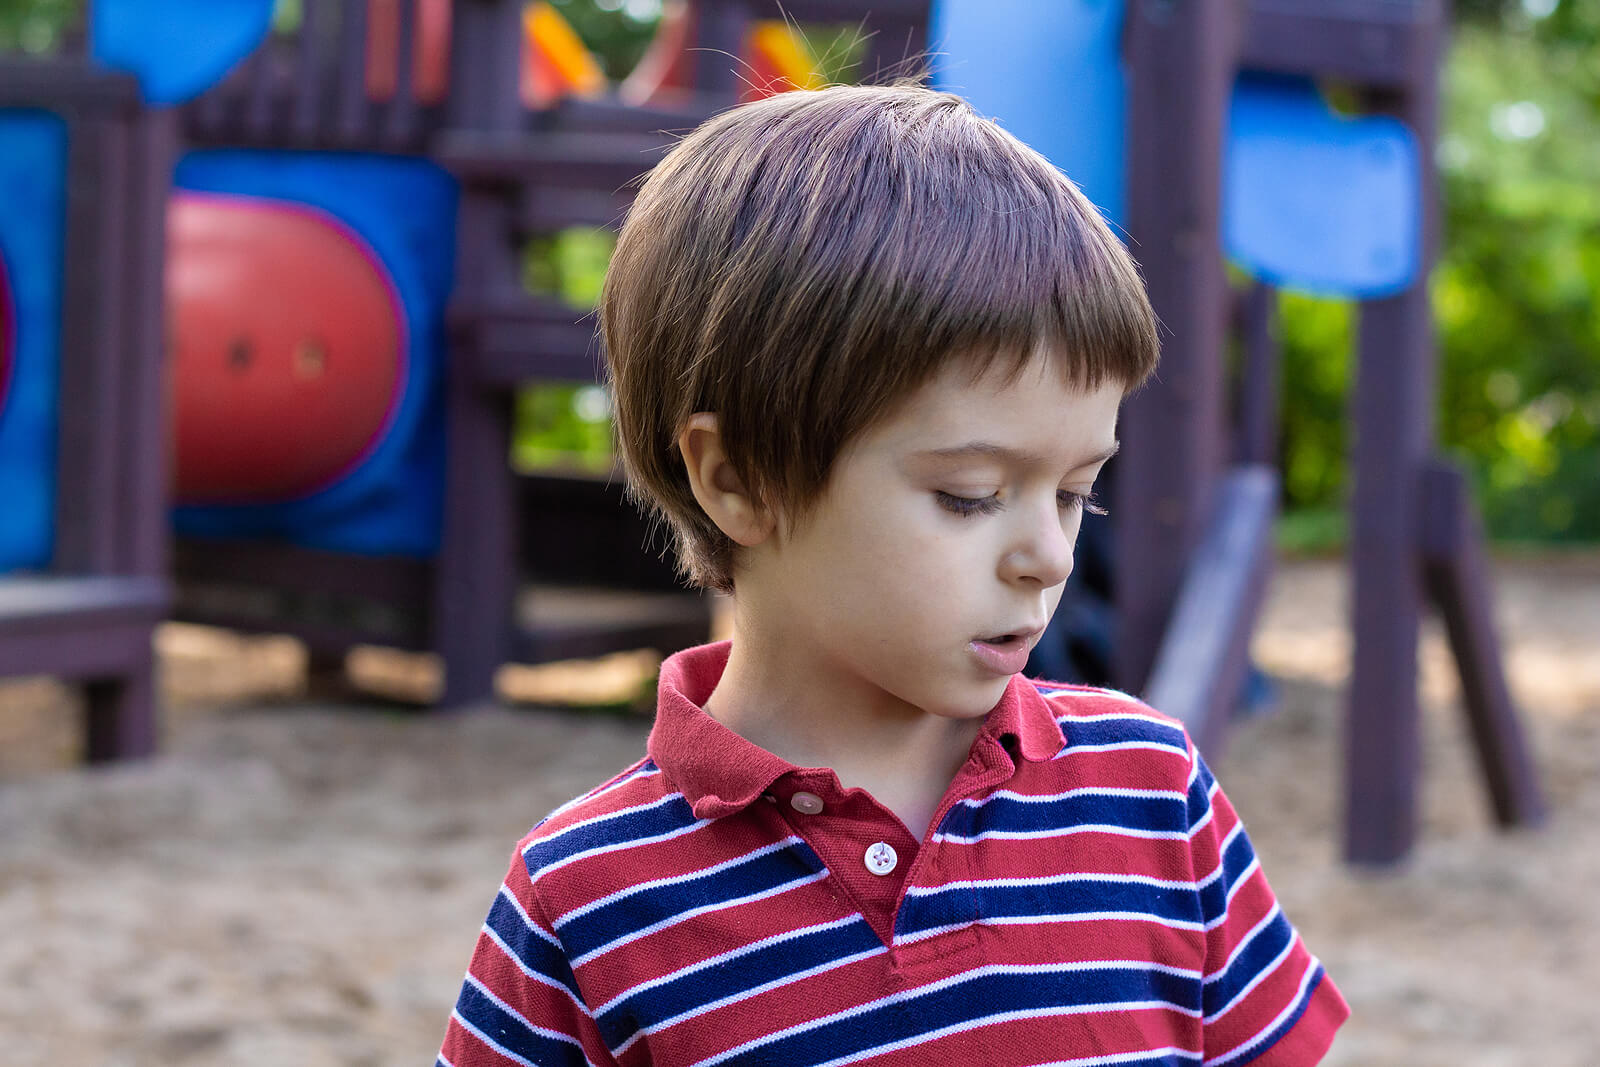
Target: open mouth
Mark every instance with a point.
(1005, 640)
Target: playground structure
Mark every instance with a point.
(443, 90)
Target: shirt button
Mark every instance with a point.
(806, 803)
(881, 858)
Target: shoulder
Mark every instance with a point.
(1111, 725)
(635, 806)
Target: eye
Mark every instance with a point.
(1066, 499)
(968, 505)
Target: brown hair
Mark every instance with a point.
(801, 264)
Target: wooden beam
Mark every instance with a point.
(1457, 578)
(1200, 669)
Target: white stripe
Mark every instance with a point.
(1060, 879)
(442, 1058)
(1261, 1035)
(618, 846)
(686, 915)
(1107, 716)
(1266, 972)
(676, 879)
(1119, 746)
(1093, 916)
(965, 976)
(714, 961)
(1085, 791)
(1101, 691)
(1062, 831)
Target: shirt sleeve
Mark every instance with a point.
(520, 1002)
(1266, 999)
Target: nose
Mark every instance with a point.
(1042, 553)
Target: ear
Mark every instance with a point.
(719, 490)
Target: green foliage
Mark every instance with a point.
(559, 424)
(35, 26)
(616, 31)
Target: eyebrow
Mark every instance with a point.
(990, 450)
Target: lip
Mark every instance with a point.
(1008, 658)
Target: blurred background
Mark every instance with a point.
(298, 877)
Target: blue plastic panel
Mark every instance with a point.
(33, 164)
(1317, 201)
(177, 48)
(405, 211)
(1050, 71)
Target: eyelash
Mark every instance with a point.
(988, 505)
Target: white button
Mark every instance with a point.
(806, 803)
(881, 858)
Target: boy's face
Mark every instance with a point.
(927, 570)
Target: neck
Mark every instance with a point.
(799, 709)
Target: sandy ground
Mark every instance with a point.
(300, 883)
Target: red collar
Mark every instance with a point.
(720, 772)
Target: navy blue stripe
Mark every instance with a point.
(536, 953)
(1153, 814)
(1118, 731)
(1071, 896)
(1238, 856)
(510, 1032)
(647, 907)
(620, 830)
(1288, 1024)
(967, 1002)
(956, 906)
(1265, 948)
(651, 1007)
(1200, 795)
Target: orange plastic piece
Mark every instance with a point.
(287, 338)
(555, 61)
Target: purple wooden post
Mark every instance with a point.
(1259, 378)
(402, 117)
(485, 65)
(312, 71)
(1182, 59)
(350, 78)
(96, 259)
(1394, 399)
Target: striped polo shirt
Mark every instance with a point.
(1087, 897)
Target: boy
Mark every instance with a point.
(867, 353)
